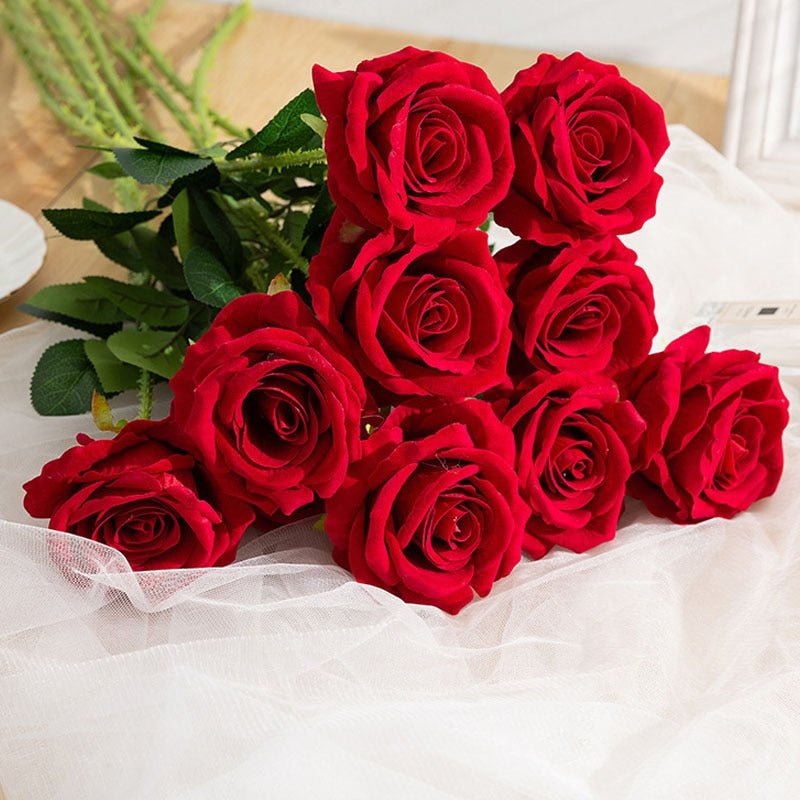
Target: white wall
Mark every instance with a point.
(695, 35)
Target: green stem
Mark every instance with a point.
(49, 75)
(140, 27)
(149, 16)
(279, 242)
(69, 43)
(148, 79)
(220, 35)
(145, 390)
(120, 88)
(281, 161)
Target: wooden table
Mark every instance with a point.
(262, 66)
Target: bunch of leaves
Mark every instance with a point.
(219, 222)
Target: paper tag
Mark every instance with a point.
(760, 312)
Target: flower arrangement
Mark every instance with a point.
(341, 341)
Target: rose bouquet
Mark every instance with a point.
(340, 340)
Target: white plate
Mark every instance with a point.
(22, 248)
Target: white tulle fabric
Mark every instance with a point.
(664, 664)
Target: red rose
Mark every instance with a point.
(586, 143)
(143, 494)
(714, 423)
(431, 511)
(415, 139)
(573, 441)
(416, 319)
(272, 406)
(584, 307)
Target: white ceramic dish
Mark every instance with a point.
(22, 248)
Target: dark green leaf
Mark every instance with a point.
(207, 178)
(298, 283)
(318, 222)
(158, 257)
(115, 376)
(286, 131)
(294, 225)
(161, 148)
(78, 300)
(200, 322)
(148, 166)
(208, 280)
(160, 352)
(83, 223)
(221, 229)
(199, 222)
(144, 250)
(63, 380)
(154, 307)
(122, 249)
(107, 169)
(79, 325)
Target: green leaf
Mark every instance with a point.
(80, 325)
(78, 300)
(148, 166)
(207, 178)
(160, 147)
(160, 352)
(285, 131)
(158, 257)
(115, 376)
(317, 124)
(208, 280)
(63, 380)
(122, 249)
(84, 223)
(318, 222)
(93, 205)
(221, 229)
(199, 222)
(294, 225)
(187, 224)
(107, 169)
(144, 250)
(153, 307)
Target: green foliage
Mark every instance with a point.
(79, 301)
(109, 170)
(85, 223)
(208, 280)
(158, 163)
(160, 352)
(64, 380)
(286, 131)
(114, 375)
(219, 222)
(144, 250)
(144, 304)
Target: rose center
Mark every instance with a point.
(435, 143)
(278, 416)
